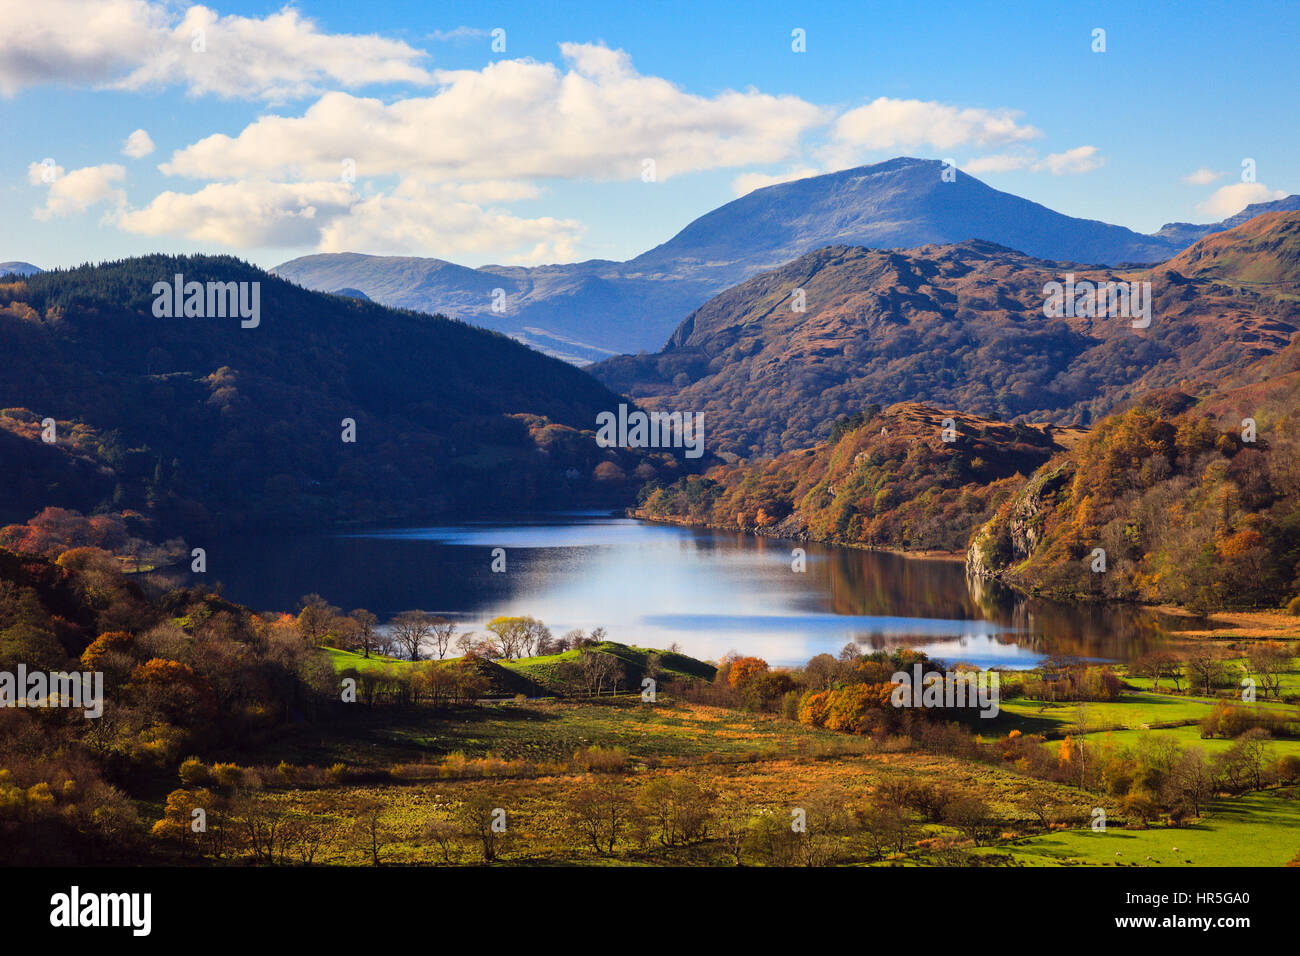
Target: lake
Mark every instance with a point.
(709, 592)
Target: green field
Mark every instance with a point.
(343, 660)
(1257, 829)
(1289, 683)
(1187, 737)
(1133, 711)
(546, 670)
(541, 676)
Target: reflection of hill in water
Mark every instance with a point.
(875, 583)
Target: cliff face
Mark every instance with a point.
(1013, 535)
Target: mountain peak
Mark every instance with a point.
(592, 309)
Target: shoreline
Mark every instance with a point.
(929, 554)
(1220, 623)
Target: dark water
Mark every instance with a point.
(654, 585)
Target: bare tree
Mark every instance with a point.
(443, 632)
(1158, 665)
(1193, 780)
(598, 671)
(1268, 662)
(482, 818)
(369, 830)
(412, 630)
(442, 834)
(469, 643)
(1206, 669)
(537, 637)
(601, 811)
(366, 624)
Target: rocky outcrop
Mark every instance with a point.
(1016, 531)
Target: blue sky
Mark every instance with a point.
(535, 153)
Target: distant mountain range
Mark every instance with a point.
(18, 267)
(961, 326)
(203, 423)
(587, 311)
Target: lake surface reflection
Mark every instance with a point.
(709, 592)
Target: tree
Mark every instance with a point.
(1268, 661)
(1041, 805)
(364, 634)
(679, 807)
(601, 811)
(1158, 665)
(821, 672)
(771, 838)
(593, 671)
(731, 825)
(173, 692)
(438, 681)
(443, 631)
(512, 635)
(537, 637)
(829, 821)
(482, 818)
(179, 816)
(441, 834)
(970, 815)
(1192, 781)
(315, 619)
(1206, 669)
(742, 670)
(262, 825)
(888, 826)
(306, 838)
(412, 630)
(1250, 753)
(369, 829)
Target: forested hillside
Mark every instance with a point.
(1191, 503)
(191, 419)
(886, 478)
(961, 326)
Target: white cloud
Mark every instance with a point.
(244, 214)
(134, 44)
(746, 183)
(1229, 200)
(415, 218)
(74, 41)
(1081, 159)
(1202, 177)
(76, 191)
(433, 219)
(138, 144)
(497, 190)
(516, 119)
(889, 124)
